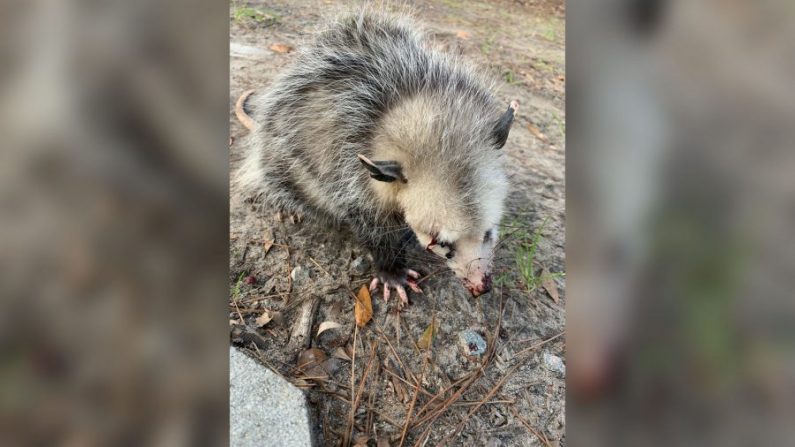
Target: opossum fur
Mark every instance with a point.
(372, 128)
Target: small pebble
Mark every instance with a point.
(554, 363)
(360, 265)
(472, 343)
(299, 274)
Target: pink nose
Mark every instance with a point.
(480, 289)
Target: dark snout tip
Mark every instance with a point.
(487, 282)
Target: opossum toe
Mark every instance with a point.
(404, 298)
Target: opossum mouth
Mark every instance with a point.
(477, 290)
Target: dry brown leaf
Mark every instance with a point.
(363, 309)
(383, 441)
(266, 245)
(311, 357)
(548, 282)
(326, 325)
(426, 340)
(537, 133)
(341, 354)
(263, 319)
(281, 48)
(310, 362)
(463, 35)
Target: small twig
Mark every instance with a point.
(493, 347)
(432, 274)
(348, 433)
(302, 331)
(407, 371)
(529, 427)
(303, 297)
(372, 395)
(262, 359)
(321, 268)
(242, 321)
(261, 297)
(398, 332)
(245, 253)
(247, 310)
(433, 415)
(422, 390)
(414, 345)
(488, 396)
(364, 378)
(325, 427)
(323, 378)
(474, 402)
(332, 277)
(380, 414)
(439, 394)
(413, 401)
(539, 344)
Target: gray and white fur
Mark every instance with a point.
(372, 129)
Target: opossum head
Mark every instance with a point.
(451, 195)
(464, 235)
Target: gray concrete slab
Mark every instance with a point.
(264, 409)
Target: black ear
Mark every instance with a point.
(383, 171)
(503, 126)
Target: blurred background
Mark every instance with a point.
(113, 222)
(680, 219)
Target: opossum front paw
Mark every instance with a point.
(398, 281)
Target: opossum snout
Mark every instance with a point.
(479, 288)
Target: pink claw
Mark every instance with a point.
(402, 294)
(410, 280)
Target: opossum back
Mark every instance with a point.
(329, 105)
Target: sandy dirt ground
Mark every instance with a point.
(385, 384)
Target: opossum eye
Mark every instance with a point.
(383, 171)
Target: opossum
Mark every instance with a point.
(372, 129)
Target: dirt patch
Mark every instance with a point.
(413, 371)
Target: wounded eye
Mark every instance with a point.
(450, 249)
